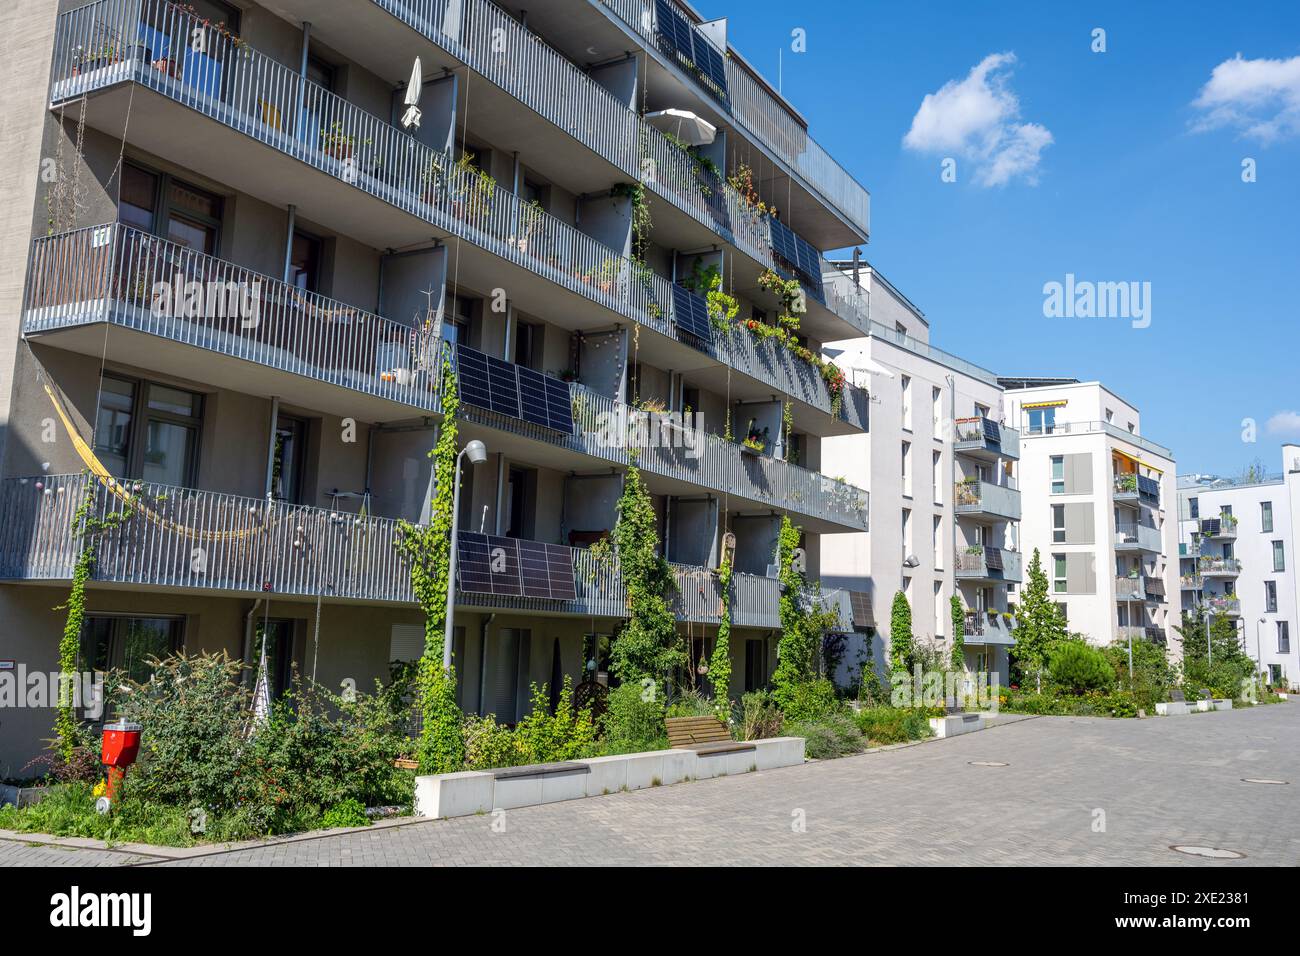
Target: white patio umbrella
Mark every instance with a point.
(412, 101)
(685, 125)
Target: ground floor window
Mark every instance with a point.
(128, 644)
(755, 665)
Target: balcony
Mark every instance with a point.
(182, 538)
(1155, 589)
(984, 438)
(1222, 528)
(1136, 489)
(1218, 567)
(983, 499)
(332, 160)
(988, 627)
(989, 565)
(1190, 582)
(1130, 536)
(1129, 588)
(1226, 605)
(1189, 549)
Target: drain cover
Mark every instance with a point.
(987, 763)
(1213, 852)
(1275, 783)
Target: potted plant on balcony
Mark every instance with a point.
(96, 57)
(334, 141)
(473, 191)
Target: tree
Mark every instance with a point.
(901, 648)
(958, 635)
(1039, 625)
(1218, 663)
(648, 646)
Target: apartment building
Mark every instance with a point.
(942, 467)
(233, 266)
(1237, 541)
(1098, 506)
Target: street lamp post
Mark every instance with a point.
(1259, 659)
(477, 455)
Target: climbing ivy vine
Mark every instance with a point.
(648, 646)
(720, 665)
(958, 635)
(794, 650)
(427, 549)
(900, 635)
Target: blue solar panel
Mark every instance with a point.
(799, 255)
(472, 377)
(691, 313)
(486, 564)
(678, 37)
(559, 405)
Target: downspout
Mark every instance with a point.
(952, 485)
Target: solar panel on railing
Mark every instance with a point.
(709, 61)
(860, 602)
(680, 38)
(487, 564)
(472, 377)
(993, 559)
(783, 243)
(504, 384)
(559, 405)
(545, 401)
(546, 571)
(691, 313)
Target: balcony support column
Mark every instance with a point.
(290, 224)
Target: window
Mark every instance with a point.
(940, 618)
(1225, 511)
(159, 204)
(1266, 516)
(936, 477)
(1061, 609)
(1283, 638)
(1058, 524)
(1194, 508)
(755, 664)
(320, 73)
(907, 468)
(936, 537)
(1110, 414)
(1059, 581)
(527, 341)
(304, 262)
(148, 430)
(289, 459)
(274, 636)
(458, 319)
(127, 643)
(1270, 597)
(906, 381)
(1042, 421)
(1279, 556)
(936, 400)
(1058, 474)
(907, 531)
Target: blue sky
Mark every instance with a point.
(1128, 189)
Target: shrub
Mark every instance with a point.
(487, 744)
(543, 737)
(69, 810)
(892, 725)
(1078, 668)
(691, 704)
(832, 735)
(345, 813)
(633, 724)
(759, 716)
(811, 701)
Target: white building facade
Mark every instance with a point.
(1237, 554)
(1098, 502)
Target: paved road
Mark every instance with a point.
(1076, 791)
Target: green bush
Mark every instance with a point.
(691, 704)
(543, 737)
(832, 735)
(631, 724)
(892, 725)
(759, 716)
(811, 701)
(69, 810)
(346, 813)
(1078, 668)
(488, 745)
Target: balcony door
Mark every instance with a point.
(143, 429)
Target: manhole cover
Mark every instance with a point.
(987, 763)
(1212, 852)
(1275, 783)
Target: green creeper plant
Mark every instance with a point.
(648, 646)
(427, 549)
(958, 635)
(794, 650)
(901, 647)
(720, 663)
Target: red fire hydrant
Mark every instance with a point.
(121, 747)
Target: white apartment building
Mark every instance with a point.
(1095, 494)
(1237, 554)
(942, 469)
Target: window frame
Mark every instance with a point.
(163, 207)
(142, 415)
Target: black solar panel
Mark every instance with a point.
(487, 565)
(799, 254)
(559, 405)
(508, 389)
(547, 571)
(504, 383)
(691, 313)
(993, 559)
(472, 376)
(860, 602)
(532, 397)
(679, 37)
(783, 243)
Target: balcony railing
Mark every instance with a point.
(1133, 536)
(184, 538)
(1190, 582)
(1137, 488)
(1189, 550)
(771, 123)
(980, 434)
(1130, 589)
(1107, 428)
(1223, 527)
(986, 498)
(988, 563)
(1219, 604)
(235, 85)
(988, 627)
(1218, 567)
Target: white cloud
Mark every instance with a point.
(1284, 423)
(977, 119)
(1258, 98)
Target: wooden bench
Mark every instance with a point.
(704, 735)
(538, 770)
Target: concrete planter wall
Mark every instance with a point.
(953, 725)
(1177, 708)
(469, 792)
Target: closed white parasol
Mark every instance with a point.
(684, 125)
(411, 118)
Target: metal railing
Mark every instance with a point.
(990, 563)
(1218, 604)
(1130, 589)
(754, 107)
(993, 626)
(984, 497)
(1209, 565)
(138, 39)
(114, 273)
(1132, 534)
(1084, 428)
(1190, 582)
(172, 537)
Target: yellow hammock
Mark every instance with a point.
(108, 481)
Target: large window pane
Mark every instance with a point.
(139, 198)
(113, 425)
(174, 400)
(169, 450)
(192, 235)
